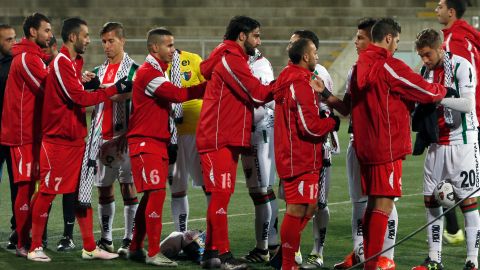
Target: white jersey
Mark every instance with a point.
(259, 168)
(463, 126)
(262, 70)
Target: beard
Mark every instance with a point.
(79, 47)
(249, 49)
(43, 44)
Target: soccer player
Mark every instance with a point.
(359, 201)
(148, 136)
(384, 90)
(321, 214)
(184, 71)
(464, 40)
(259, 168)
(7, 39)
(114, 124)
(455, 157)
(298, 125)
(21, 117)
(68, 200)
(225, 126)
(63, 141)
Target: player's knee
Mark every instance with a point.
(106, 199)
(430, 202)
(179, 194)
(130, 200)
(106, 191)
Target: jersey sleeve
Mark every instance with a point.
(410, 85)
(465, 78)
(162, 88)
(240, 79)
(35, 72)
(310, 124)
(73, 88)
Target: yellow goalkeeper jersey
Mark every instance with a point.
(190, 76)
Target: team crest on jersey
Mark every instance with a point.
(185, 62)
(187, 75)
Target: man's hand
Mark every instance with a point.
(87, 76)
(317, 84)
(451, 92)
(124, 86)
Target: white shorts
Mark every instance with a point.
(106, 175)
(259, 168)
(353, 174)
(187, 165)
(457, 163)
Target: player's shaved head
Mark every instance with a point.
(155, 36)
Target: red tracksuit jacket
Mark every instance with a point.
(232, 92)
(381, 100)
(22, 105)
(151, 98)
(63, 118)
(298, 129)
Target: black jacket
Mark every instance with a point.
(5, 62)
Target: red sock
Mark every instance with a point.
(85, 222)
(23, 213)
(218, 222)
(139, 229)
(375, 226)
(153, 218)
(40, 218)
(290, 233)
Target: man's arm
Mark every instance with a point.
(240, 78)
(34, 72)
(311, 125)
(162, 88)
(73, 88)
(465, 80)
(410, 85)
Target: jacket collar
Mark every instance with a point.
(234, 47)
(65, 51)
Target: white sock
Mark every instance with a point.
(273, 226)
(106, 213)
(391, 233)
(263, 214)
(434, 234)
(129, 216)
(472, 232)
(358, 210)
(320, 223)
(180, 213)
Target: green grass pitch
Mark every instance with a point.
(338, 242)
